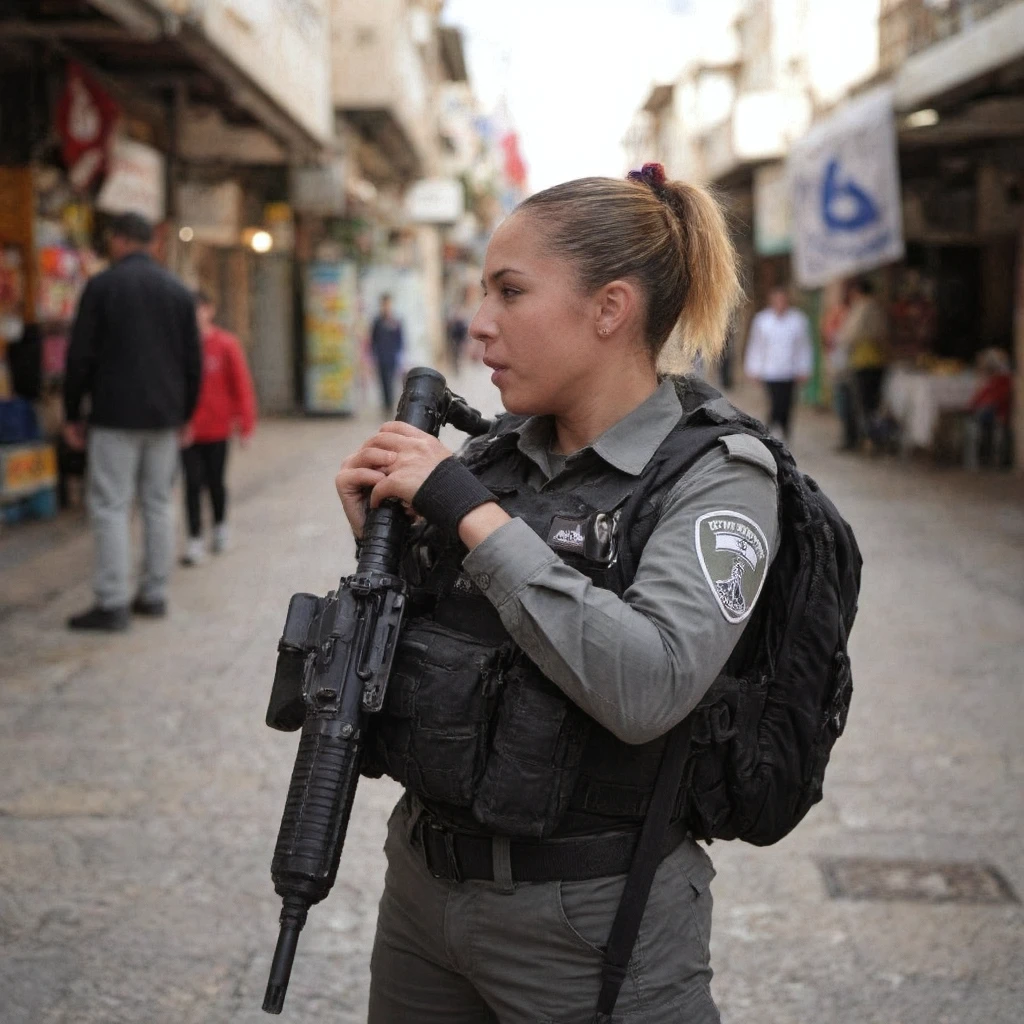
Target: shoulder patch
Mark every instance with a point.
(733, 553)
(747, 448)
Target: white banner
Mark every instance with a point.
(134, 182)
(845, 184)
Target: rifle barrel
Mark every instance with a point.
(293, 917)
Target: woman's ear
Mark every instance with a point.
(617, 305)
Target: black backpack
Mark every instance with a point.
(761, 737)
(749, 762)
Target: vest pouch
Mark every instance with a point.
(535, 756)
(431, 734)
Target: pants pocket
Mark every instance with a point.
(669, 973)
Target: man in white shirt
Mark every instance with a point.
(780, 354)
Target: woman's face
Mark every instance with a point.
(538, 330)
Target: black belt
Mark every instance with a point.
(460, 856)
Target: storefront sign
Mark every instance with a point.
(86, 116)
(773, 211)
(331, 346)
(845, 187)
(59, 283)
(212, 211)
(26, 468)
(319, 189)
(435, 201)
(135, 183)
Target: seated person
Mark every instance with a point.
(990, 408)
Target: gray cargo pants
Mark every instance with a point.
(121, 464)
(530, 953)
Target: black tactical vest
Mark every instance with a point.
(470, 724)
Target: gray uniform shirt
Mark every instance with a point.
(640, 663)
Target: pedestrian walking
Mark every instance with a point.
(457, 330)
(226, 404)
(779, 353)
(386, 342)
(861, 348)
(836, 357)
(134, 353)
(539, 651)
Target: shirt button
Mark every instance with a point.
(482, 580)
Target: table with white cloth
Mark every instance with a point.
(915, 398)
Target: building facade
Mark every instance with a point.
(943, 80)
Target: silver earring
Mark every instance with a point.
(603, 331)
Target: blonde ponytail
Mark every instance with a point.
(714, 287)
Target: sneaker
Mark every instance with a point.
(220, 539)
(195, 553)
(104, 620)
(151, 609)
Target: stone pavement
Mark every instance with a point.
(141, 793)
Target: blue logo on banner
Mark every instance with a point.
(845, 206)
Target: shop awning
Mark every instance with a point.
(152, 51)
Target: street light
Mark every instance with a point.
(261, 241)
(921, 119)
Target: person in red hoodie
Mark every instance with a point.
(990, 408)
(226, 403)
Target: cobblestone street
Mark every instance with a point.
(141, 792)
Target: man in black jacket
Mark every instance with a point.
(135, 353)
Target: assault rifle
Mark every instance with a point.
(334, 660)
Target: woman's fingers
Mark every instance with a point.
(391, 442)
(357, 479)
(385, 488)
(371, 457)
(398, 427)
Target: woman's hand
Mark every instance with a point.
(391, 464)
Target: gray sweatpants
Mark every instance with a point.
(123, 463)
(530, 953)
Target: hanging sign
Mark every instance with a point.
(86, 116)
(845, 186)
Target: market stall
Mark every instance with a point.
(916, 398)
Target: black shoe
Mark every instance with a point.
(151, 609)
(105, 620)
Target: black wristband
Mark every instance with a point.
(449, 493)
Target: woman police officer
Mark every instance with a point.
(569, 607)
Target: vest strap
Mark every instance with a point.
(461, 856)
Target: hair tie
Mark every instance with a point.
(651, 175)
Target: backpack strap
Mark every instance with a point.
(646, 858)
(693, 438)
(702, 429)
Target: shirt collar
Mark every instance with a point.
(627, 445)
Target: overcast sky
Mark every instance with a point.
(573, 71)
